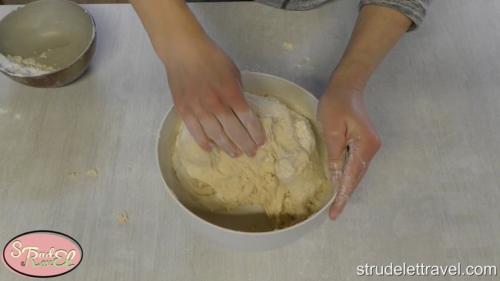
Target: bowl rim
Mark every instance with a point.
(228, 230)
(87, 48)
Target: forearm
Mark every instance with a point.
(170, 24)
(377, 30)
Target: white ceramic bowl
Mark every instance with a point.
(245, 229)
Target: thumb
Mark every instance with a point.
(336, 147)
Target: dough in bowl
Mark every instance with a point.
(286, 177)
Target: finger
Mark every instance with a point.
(336, 145)
(231, 125)
(213, 128)
(215, 132)
(235, 99)
(359, 155)
(195, 129)
(253, 126)
(237, 133)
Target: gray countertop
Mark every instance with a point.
(73, 159)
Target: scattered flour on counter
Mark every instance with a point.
(17, 65)
(303, 63)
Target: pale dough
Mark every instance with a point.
(286, 176)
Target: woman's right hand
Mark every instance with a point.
(204, 82)
(207, 93)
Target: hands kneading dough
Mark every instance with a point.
(286, 176)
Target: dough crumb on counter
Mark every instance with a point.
(122, 218)
(92, 173)
(288, 46)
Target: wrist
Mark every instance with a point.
(168, 48)
(175, 31)
(348, 79)
(355, 73)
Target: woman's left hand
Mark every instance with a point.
(350, 139)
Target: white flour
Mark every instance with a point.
(17, 65)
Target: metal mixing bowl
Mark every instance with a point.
(56, 34)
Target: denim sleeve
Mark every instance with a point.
(413, 9)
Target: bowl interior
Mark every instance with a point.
(52, 32)
(243, 219)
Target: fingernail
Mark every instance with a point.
(333, 216)
(261, 142)
(251, 153)
(235, 154)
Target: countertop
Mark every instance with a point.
(74, 159)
